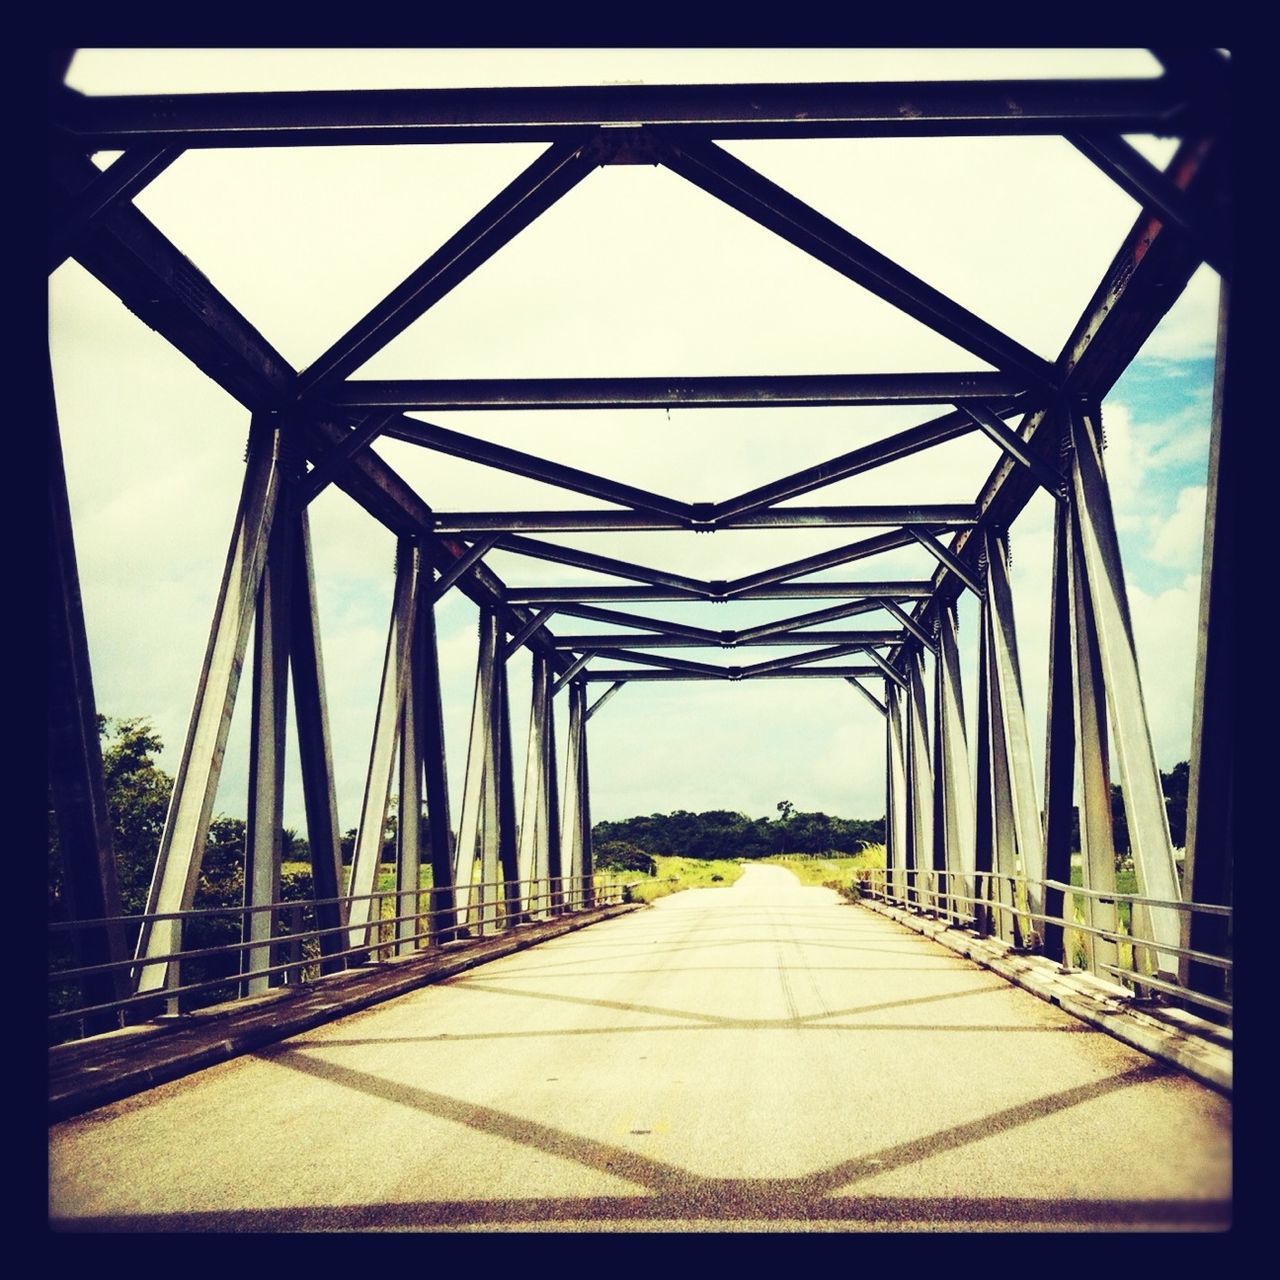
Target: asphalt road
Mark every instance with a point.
(764, 1057)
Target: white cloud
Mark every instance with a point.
(1178, 540)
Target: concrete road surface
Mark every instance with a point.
(764, 1057)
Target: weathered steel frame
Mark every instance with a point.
(321, 415)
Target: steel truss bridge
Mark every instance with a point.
(971, 837)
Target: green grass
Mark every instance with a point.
(840, 872)
(675, 874)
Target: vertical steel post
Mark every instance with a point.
(177, 869)
(983, 786)
(1211, 785)
(76, 784)
(478, 754)
(919, 784)
(1004, 842)
(409, 828)
(956, 786)
(430, 738)
(1097, 842)
(1060, 740)
(533, 807)
(1139, 773)
(263, 830)
(508, 853)
(584, 816)
(571, 827)
(1016, 739)
(362, 914)
(315, 757)
(898, 804)
(551, 784)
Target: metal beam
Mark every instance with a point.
(123, 179)
(521, 546)
(1013, 444)
(948, 560)
(1211, 827)
(1012, 727)
(727, 640)
(851, 551)
(473, 555)
(478, 788)
(457, 395)
(268, 722)
(563, 597)
(177, 868)
(866, 693)
(890, 672)
(727, 178)
(331, 463)
(635, 620)
(799, 659)
(1139, 772)
(431, 745)
(897, 816)
(784, 625)
(604, 697)
(630, 674)
(1060, 740)
(653, 660)
(1134, 174)
(950, 515)
(535, 623)
(362, 914)
(315, 755)
(901, 444)
(952, 778)
(1145, 278)
(76, 785)
(555, 172)
(537, 114)
(569, 672)
(459, 445)
(911, 625)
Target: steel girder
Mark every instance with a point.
(329, 422)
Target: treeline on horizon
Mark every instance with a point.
(720, 833)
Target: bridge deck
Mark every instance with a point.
(763, 1057)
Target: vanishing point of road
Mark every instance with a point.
(764, 1057)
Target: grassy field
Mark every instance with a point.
(839, 873)
(675, 874)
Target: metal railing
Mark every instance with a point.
(1000, 906)
(299, 949)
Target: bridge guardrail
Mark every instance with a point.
(1001, 906)
(296, 951)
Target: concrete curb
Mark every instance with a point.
(89, 1073)
(1200, 1048)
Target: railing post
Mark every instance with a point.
(177, 868)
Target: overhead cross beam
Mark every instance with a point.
(727, 178)
(535, 114)
(458, 395)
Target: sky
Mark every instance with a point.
(634, 272)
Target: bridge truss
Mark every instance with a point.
(978, 847)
